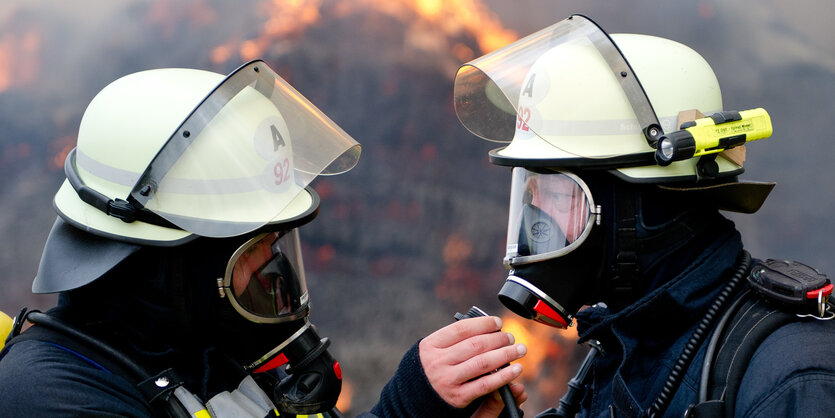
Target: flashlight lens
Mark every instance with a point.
(666, 148)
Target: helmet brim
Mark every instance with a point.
(88, 218)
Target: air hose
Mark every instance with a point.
(692, 347)
(36, 317)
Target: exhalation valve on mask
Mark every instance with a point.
(310, 383)
(539, 234)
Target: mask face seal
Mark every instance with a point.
(552, 214)
(265, 281)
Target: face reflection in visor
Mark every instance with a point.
(551, 213)
(264, 279)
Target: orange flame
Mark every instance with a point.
(19, 64)
(543, 342)
(287, 18)
(169, 15)
(427, 21)
(452, 17)
(60, 148)
(344, 402)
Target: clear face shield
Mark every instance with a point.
(499, 97)
(217, 177)
(235, 163)
(551, 213)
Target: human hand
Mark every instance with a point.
(459, 360)
(493, 404)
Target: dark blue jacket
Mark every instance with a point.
(40, 379)
(792, 374)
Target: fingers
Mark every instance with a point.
(479, 344)
(493, 405)
(518, 391)
(461, 360)
(488, 362)
(461, 395)
(490, 382)
(463, 329)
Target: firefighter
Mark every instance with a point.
(615, 225)
(177, 261)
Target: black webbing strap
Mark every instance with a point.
(742, 334)
(48, 335)
(625, 267)
(156, 389)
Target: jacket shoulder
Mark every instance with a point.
(39, 378)
(792, 373)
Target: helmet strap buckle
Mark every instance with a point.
(121, 209)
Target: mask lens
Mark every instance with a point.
(550, 214)
(265, 280)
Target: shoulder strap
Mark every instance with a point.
(50, 336)
(737, 336)
(53, 331)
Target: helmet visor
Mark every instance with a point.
(264, 279)
(551, 213)
(496, 95)
(242, 155)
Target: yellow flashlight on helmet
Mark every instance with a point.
(712, 134)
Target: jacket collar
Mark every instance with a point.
(678, 302)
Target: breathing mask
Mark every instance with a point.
(552, 215)
(264, 283)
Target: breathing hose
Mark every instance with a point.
(36, 317)
(692, 347)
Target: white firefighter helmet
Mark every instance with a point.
(166, 154)
(571, 96)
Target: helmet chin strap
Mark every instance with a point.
(625, 270)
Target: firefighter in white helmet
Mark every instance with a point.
(177, 261)
(606, 213)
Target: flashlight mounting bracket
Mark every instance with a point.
(707, 168)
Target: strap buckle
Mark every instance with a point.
(121, 209)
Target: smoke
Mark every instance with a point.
(415, 232)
